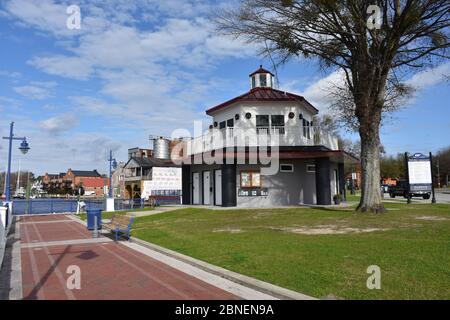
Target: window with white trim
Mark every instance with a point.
(286, 167)
(311, 168)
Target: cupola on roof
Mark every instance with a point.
(261, 70)
(261, 78)
(262, 82)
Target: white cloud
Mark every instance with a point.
(66, 66)
(318, 93)
(43, 14)
(36, 90)
(154, 76)
(429, 77)
(58, 124)
(9, 103)
(146, 74)
(12, 75)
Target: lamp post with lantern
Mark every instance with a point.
(112, 166)
(24, 148)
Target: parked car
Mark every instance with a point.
(385, 188)
(401, 189)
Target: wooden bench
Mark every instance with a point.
(120, 224)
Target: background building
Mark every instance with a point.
(92, 182)
(151, 172)
(118, 181)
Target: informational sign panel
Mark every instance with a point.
(163, 179)
(257, 192)
(419, 172)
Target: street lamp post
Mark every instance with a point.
(24, 148)
(112, 165)
(110, 200)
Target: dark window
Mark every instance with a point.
(262, 120)
(307, 129)
(263, 80)
(309, 124)
(277, 124)
(287, 168)
(253, 82)
(222, 125)
(230, 123)
(262, 124)
(277, 121)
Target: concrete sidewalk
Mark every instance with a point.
(49, 247)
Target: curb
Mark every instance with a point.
(258, 285)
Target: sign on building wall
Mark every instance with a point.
(259, 192)
(419, 172)
(163, 179)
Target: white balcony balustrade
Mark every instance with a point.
(260, 137)
(135, 174)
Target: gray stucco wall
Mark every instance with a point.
(285, 188)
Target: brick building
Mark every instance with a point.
(92, 182)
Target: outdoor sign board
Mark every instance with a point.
(162, 179)
(419, 172)
(257, 192)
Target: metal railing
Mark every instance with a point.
(261, 136)
(46, 206)
(136, 177)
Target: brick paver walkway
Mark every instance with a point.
(51, 244)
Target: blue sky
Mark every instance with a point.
(151, 67)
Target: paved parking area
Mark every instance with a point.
(51, 245)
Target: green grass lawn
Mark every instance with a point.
(411, 246)
(355, 197)
(109, 214)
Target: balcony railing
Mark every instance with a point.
(136, 176)
(261, 136)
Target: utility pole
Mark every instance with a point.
(408, 197)
(433, 199)
(438, 173)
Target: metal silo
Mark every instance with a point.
(161, 148)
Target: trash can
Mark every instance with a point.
(91, 214)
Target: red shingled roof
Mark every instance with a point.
(262, 94)
(261, 70)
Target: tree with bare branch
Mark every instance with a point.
(374, 43)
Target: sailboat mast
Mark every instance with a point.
(18, 180)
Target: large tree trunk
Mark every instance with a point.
(371, 200)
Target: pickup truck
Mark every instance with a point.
(402, 187)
